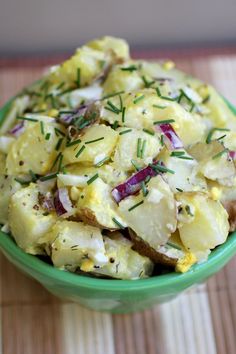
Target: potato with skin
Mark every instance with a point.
(69, 243)
(154, 219)
(127, 146)
(97, 207)
(202, 223)
(32, 151)
(28, 220)
(123, 261)
(93, 152)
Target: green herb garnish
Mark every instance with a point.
(115, 124)
(164, 121)
(139, 142)
(179, 189)
(123, 114)
(150, 132)
(174, 246)
(48, 135)
(125, 131)
(100, 163)
(138, 99)
(130, 68)
(92, 179)
(42, 127)
(94, 141)
(78, 81)
(59, 132)
(160, 168)
(144, 189)
(21, 181)
(118, 223)
(112, 95)
(137, 168)
(58, 145)
(46, 178)
(147, 83)
(33, 176)
(80, 151)
(220, 154)
(26, 118)
(136, 205)
(212, 131)
(158, 106)
(74, 142)
(143, 148)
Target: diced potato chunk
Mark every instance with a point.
(155, 219)
(203, 223)
(123, 262)
(28, 221)
(93, 151)
(97, 207)
(128, 145)
(144, 107)
(121, 80)
(8, 186)
(119, 46)
(31, 151)
(214, 162)
(69, 243)
(186, 176)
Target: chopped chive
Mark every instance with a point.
(92, 179)
(185, 157)
(46, 178)
(174, 245)
(162, 140)
(158, 92)
(42, 127)
(121, 103)
(136, 205)
(158, 106)
(58, 145)
(150, 132)
(164, 121)
(60, 85)
(125, 131)
(177, 153)
(212, 131)
(112, 107)
(144, 189)
(115, 124)
(56, 159)
(147, 83)
(33, 176)
(118, 223)
(29, 119)
(21, 181)
(65, 91)
(100, 163)
(138, 99)
(123, 114)
(78, 81)
(130, 68)
(161, 168)
(143, 148)
(221, 137)
(220, 154)
(94, 141)
(60, 164)
(48, 135)
(39, 111)
(80, 151)
(112, 95)
(192, 107)
(74, 142)
(188, 210)
(206, 99)
(58, 131)
(137, 168)
(139, 142)
(66, 112)
(179, 189)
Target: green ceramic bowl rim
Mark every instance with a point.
(160, 282)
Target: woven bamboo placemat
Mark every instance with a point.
(201, 321)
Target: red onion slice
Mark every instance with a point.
(133, 184)
(171, 135)
(62, 202)
(232, 154)
(67, 119)
(17, 130)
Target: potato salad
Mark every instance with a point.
(118, 168)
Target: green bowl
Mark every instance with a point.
(117, 296)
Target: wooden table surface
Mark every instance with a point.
(200, 321)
